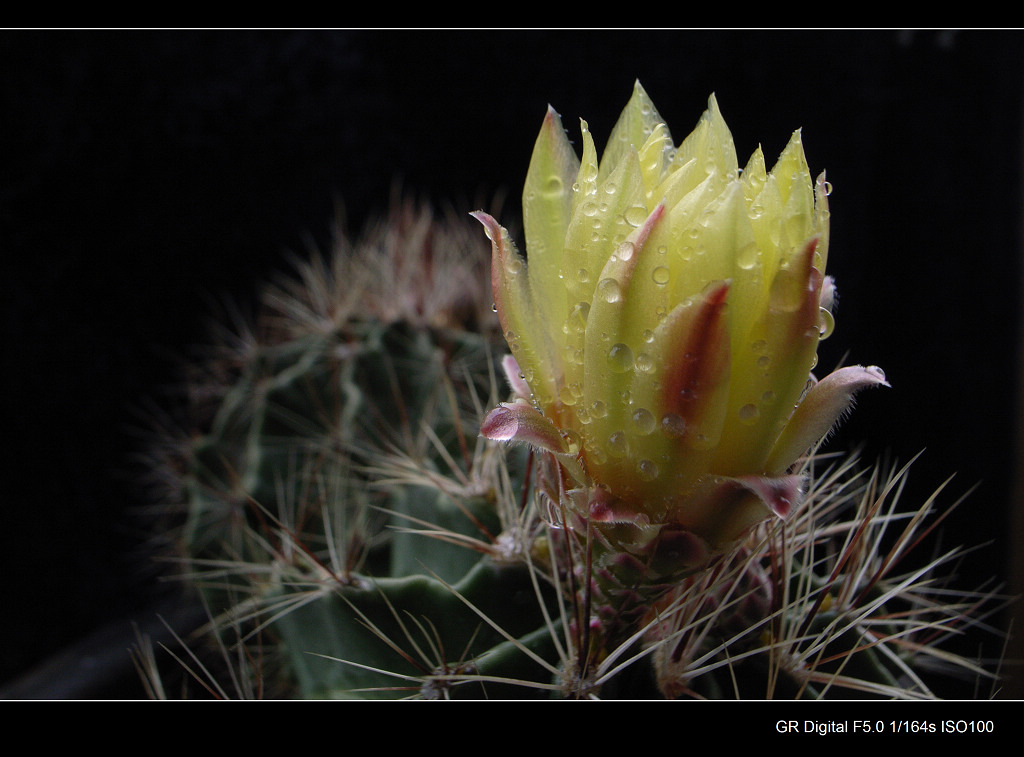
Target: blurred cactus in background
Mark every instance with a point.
(347, 505)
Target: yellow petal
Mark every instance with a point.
(547, 207)
(524, 332)
(635, 124)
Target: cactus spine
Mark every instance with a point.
(339, 510)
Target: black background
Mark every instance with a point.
(146, 173)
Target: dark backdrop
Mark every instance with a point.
(146, 172)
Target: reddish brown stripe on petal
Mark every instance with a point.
(702, 356)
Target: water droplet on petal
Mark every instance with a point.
(609, 290)
(578, 316)
(826, 323)
(554, 186)
(787, 291)
(617, 445)
(636, 215)
(620, 358)
(644, 363)
(746, 257)
(647, 470)
(643, 421)
(749, 413)
(672, 425)
(660, 275)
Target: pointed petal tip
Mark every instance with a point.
(499, 425)
(491, 227)
(514, 375)
(552, 120)
(821, 410)
(521, 422)
(875, 375)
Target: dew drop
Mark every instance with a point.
(636, 215)
(647, 336)
(572, 441)
(647, 470)
(644, 362)
(749, 413)
(746, 256)
(672, 425)
(625, 251)
(643, 421)
(621, 359)
(583, 275)
(787, 291)
(598, 409)
(660, 275)
(577, 321)
(609, 290)
(826, 323)
(617, 446)
(590, 208)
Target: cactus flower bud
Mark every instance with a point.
(665, 324)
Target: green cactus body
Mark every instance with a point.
(342, 512)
